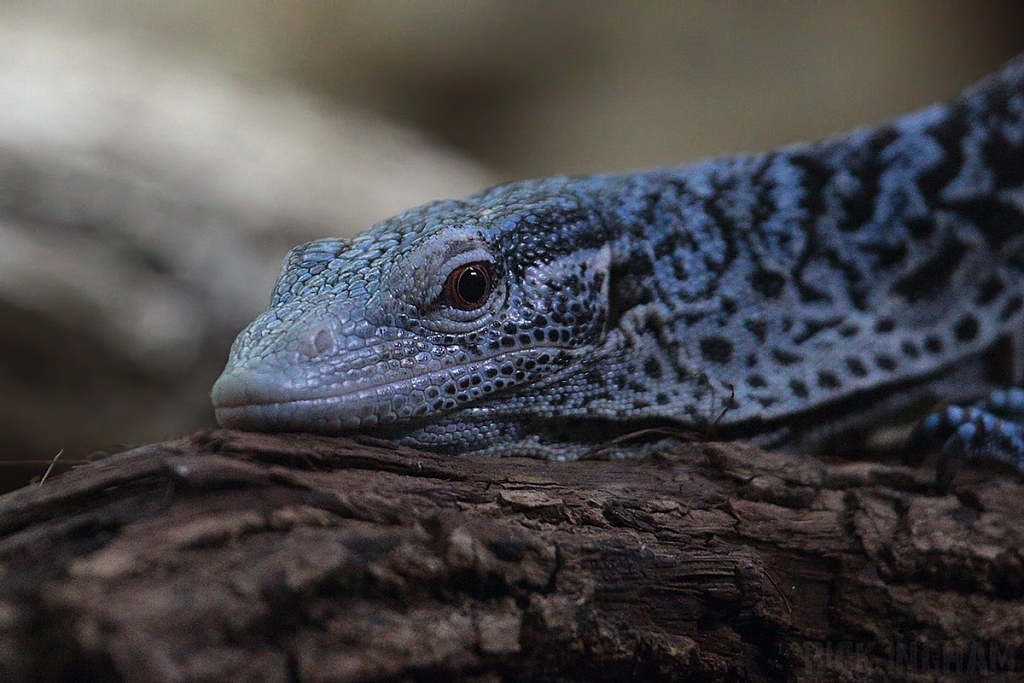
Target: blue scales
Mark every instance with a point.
(792, 299)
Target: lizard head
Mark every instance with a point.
(446, 307)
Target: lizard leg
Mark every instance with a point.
(992, 430)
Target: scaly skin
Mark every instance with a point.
(786, 296)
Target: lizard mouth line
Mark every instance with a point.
(262, 400)
(313, 414)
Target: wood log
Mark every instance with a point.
(226, 556)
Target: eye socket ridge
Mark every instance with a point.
(469, 286)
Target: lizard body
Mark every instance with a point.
(785, 296)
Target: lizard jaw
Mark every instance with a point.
(268, 402)
(255, 400)
(323, 415)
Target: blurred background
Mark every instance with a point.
(159, 157)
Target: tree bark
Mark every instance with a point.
(282, 559)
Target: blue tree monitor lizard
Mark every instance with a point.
(785, 298)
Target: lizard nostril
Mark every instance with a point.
(318, 343)
(323, 342)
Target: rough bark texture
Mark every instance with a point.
(239, 557)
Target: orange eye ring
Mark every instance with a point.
(468, 287)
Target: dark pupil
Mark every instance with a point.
(472, 285)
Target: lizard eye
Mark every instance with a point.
(468, 287)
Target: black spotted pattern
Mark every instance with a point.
(738, 292)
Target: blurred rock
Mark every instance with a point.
(145, 206)
(535, 88)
